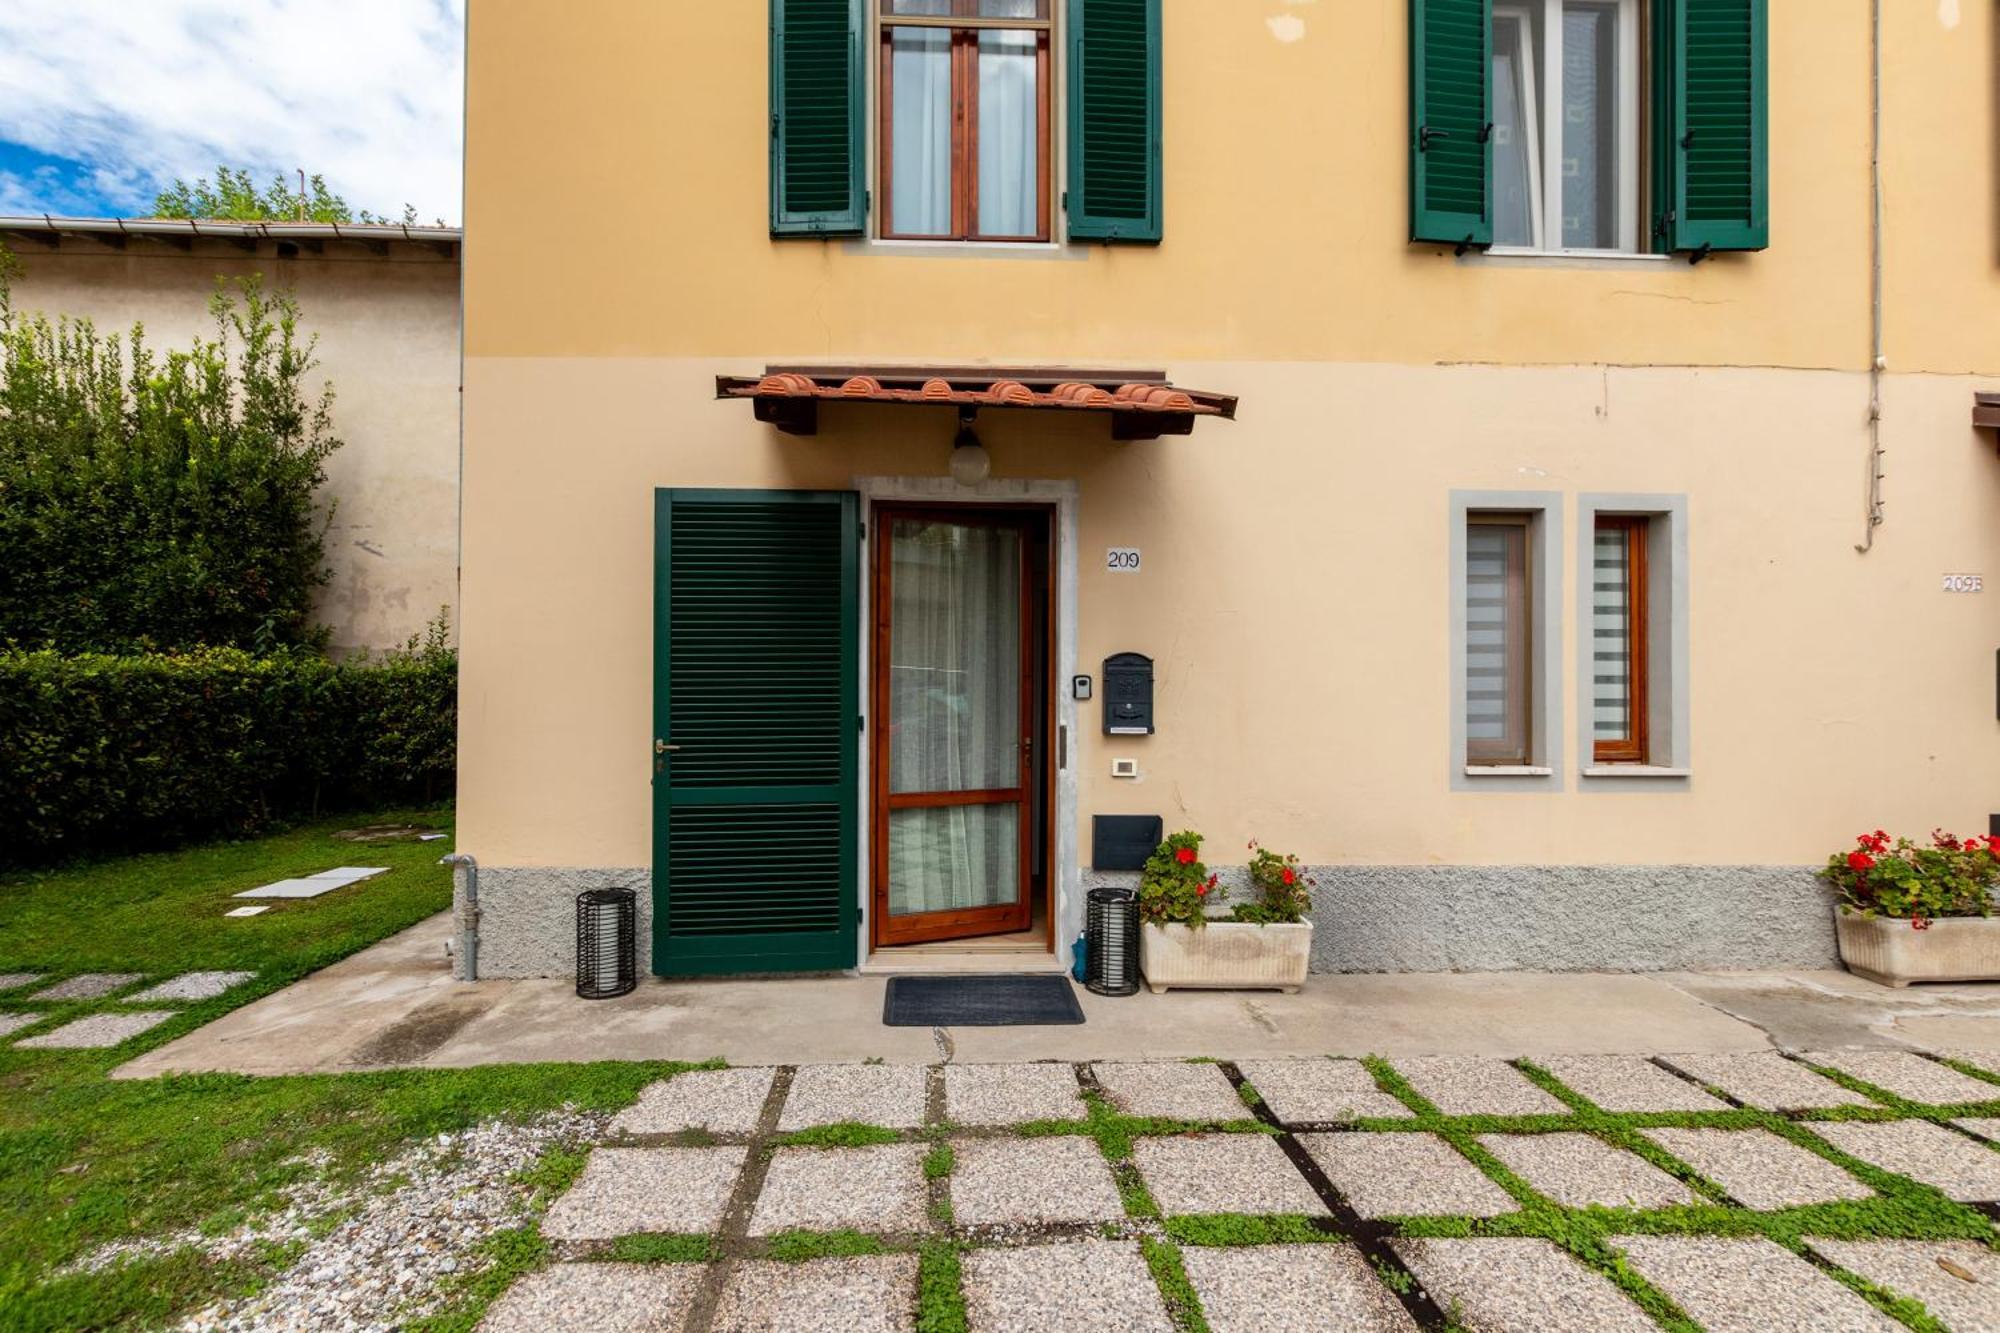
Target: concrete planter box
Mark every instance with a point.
(1226, 955)
(1886, 949)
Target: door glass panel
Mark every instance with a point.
(1516, 143)
(1009, 141)
(1590, 126)
(948, 858)
(920, 94)
(954, 657)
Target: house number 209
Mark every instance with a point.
(1122, 560)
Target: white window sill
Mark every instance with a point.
(1525, 257)
(889, 246)
(1508, 771)
(1634, 771)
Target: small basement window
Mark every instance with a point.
(1618, 653)
(1499, 641)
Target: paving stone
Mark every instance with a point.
(824, 1189)
(1986, 1128)
(1011, 1094)
(1767, 1079)
(312, 886)
(1758, 1168)
(1577, 1170)
(870, 1293)
(627, 1190)
(1519, 1285)
(1103, 1286)
(614, 1298)
(89, 986)
(191, 986)
(16, 980)
(248, 911)
(1309, 1091)
(1059, 1178)
(1405, 1175)
(1961, 1168)
(1629, 1083)
(15, 1022)
(1292, 1289)
(722, 1101)
(99, 1030)
(1172, 1089)
(1461, 1086)
(888, 1095)
(1915, 1268)
(1986, 1060)
(1749, 1285)
(1223, 1173)
(1908, 1075)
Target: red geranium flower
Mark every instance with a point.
(1185, 855)
(1289, 877)
(1860, 861)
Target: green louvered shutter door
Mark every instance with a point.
(1451, 149)
(816, 153)
(756, 679)
(1114, 120)
(1715, 131)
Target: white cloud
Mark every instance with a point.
(368, 93)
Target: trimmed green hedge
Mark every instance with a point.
(103, 753)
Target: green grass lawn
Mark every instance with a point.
(85, 1160)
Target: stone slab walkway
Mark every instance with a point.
(1320, 1194)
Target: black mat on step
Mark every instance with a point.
(980, 1002)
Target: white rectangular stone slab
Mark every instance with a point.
(291, 888)
(1222, 1173)
(1749, 1285)
(722, 1101)
(1908, 1075)
(99, 1030)
(624, 1191)
(1011, 1094)
(16, 980)
(1628, 1083)
(1047, 1179)
(1405, 1175)
(869, 1293)
(891, 1096)
(15, 1022)
(1318, 1091)
(1767, 1079)
(1459, 1085)
(1912, 1268)
(1578, 1170)
(247, 911)
(613, 1298)
(1292, 1289)
(1172, 1090)
(1759, 1169)
(1519, 1285)
(350, 874)
(1100, 1286)
(191, 986)
(873, 1189)
(1960, 1168)
(88, 986)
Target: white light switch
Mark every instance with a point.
(1124, 768)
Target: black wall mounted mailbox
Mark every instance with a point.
(1123, 842)
(1128, 695)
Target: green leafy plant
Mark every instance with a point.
(1284, 890)
(1174, 886)
(233, 196)
(1953, 877)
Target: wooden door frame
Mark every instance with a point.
(882, 513)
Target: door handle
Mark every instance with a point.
(661, 747)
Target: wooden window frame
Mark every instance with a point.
(1518, 752)
(1634, 747)
(965, 25)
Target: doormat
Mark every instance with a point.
(980, 1002)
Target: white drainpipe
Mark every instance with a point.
(468, 921)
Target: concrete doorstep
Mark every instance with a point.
(395, 1005)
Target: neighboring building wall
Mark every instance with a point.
(1296, 591)
(388, 330)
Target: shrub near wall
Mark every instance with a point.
(101, 753)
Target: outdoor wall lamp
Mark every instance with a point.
(970, 463)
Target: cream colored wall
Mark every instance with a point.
(388, 340)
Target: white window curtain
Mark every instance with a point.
(1008, 137)
(954, 712)
(920, 193)
(1611, 636)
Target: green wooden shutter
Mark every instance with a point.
(1451, 121)
(816, 101)
(1114, 120)
(756, 679)
(1714, 128)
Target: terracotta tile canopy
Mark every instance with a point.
(1141, 404)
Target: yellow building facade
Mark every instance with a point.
(1314, 575)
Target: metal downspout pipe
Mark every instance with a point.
(468, 919)
(1878, 360)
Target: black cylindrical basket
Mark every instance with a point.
(1111, 924)
(606, 938)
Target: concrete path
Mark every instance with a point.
(396, 1005)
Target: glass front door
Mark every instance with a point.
(953, 696)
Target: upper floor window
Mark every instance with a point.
(963, 110)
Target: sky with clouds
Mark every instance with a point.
(104, 101)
